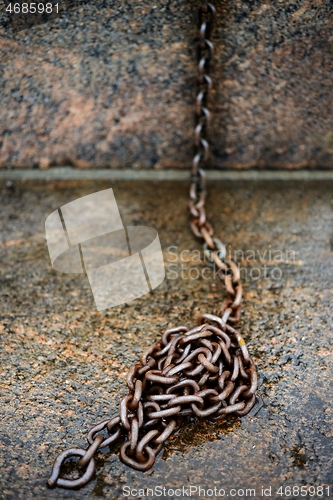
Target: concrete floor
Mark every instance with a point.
(64, 364)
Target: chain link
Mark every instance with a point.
(205, 371)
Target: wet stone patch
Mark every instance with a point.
(64, 364)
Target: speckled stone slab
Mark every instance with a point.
(112, 84)
(64, 365)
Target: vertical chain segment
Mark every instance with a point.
(214, 248)
(204, 49)
(203, 371)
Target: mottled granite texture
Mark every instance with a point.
(64, 365)
(112, 84)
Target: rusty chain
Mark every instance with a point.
(214, 249)
(200, 226)
(205, 371)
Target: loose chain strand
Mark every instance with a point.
(203, 371)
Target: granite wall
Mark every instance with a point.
(112, 84)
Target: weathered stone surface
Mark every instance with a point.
(64, 365)
(113, 85)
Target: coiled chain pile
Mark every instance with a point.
(205, 371)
